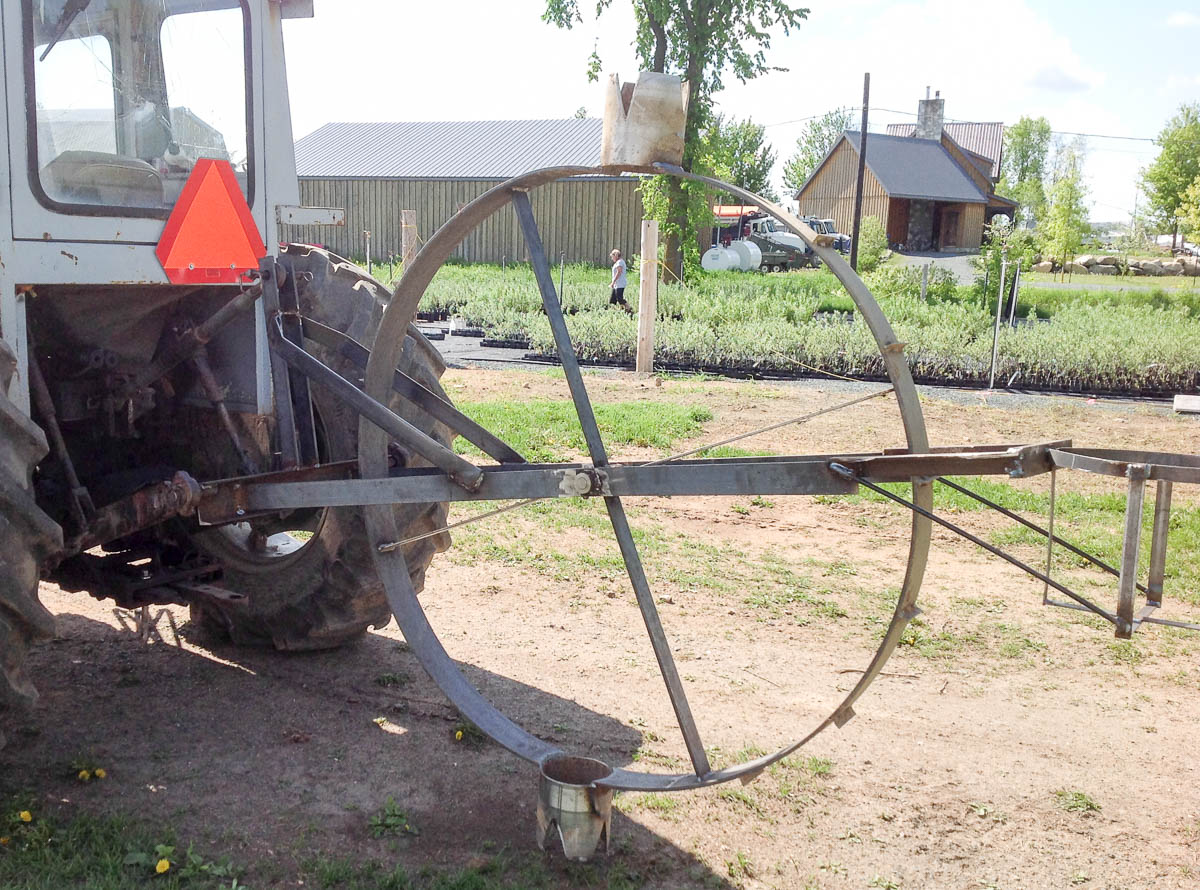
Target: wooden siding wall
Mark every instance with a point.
(584, 218)
(983, 183)
(830, 193)
(970, 223)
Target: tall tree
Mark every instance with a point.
(815, 141)
(1178, 164)
(737, 151)
(702, 41)
(1189, 209)
(1066, 214)
(1023, 174)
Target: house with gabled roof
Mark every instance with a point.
(929, 191)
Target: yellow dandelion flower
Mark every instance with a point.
(25, 816)
(458, 736)
(4, 841)
(162, 866)
(84, 775)
(100, 773)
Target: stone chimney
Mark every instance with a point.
(929, 116)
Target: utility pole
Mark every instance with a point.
(862, 172)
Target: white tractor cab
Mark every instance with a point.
(149, 169)
(781, 250)
(110, 103)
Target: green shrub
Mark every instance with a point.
(872, 244)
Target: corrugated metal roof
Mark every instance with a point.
(986, 138)
(447, 149)
(917, 168)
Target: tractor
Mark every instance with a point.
(116, 397)
(193, 413)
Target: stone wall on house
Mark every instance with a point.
(920, 225)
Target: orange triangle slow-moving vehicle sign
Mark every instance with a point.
(210, 237)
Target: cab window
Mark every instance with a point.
(128, 94)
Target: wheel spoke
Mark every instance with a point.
(616, 510)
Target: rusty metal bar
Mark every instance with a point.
(616, 510)
(185, 347)
(1050, 536)
(216, 395)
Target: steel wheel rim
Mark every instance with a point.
(381, 528)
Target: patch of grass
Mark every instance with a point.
(99, 853)
(390, 820)
(1075, 801)
(544, 430)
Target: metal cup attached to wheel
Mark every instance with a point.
(569, 798)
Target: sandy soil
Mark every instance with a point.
(947, 777)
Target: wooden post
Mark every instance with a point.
(647, 297)
(862, 172)
(408, 237)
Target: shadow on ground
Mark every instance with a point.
(280, 761)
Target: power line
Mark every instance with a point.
(951, 120)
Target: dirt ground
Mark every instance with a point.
(974, 762)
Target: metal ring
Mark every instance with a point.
(381, 526)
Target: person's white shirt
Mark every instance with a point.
(618, 274)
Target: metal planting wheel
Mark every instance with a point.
(514, 478)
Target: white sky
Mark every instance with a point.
(1093, 66)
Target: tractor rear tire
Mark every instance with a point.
(326, 592)
(27, 537)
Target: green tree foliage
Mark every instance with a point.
(1066, 215)
(819, 136)
(1168, 178)
(738, 152)
(1190, 208)
(1000, 242)
(872, 245)
(1023, 174)
(702, 41)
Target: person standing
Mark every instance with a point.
(619, 282)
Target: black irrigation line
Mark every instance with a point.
(847, 473)
(758, 373)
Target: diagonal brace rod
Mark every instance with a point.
(975, 539)
(1033, 526)
(411, 390)
(463, 472)
(616, 510)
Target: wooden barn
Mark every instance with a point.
(928, 191)
(375, 170)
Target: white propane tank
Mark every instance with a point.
(748, 254)
(718, 259)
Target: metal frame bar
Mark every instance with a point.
(412, 391)
(285, 420)
(1138, 473)
(975, 539)
(460, 470)
(616, 510)
(1158, 542)
(299, 391)
(1033, 526)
